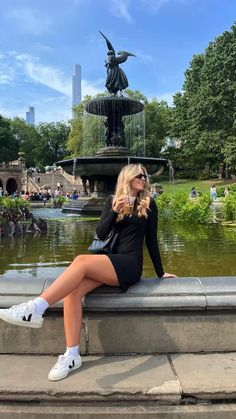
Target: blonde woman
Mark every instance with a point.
(122, 268)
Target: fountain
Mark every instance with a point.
(99, 173)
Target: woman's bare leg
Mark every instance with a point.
(96, 267)
(73, 311)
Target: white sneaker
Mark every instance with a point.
(64, 365)
(22, 315)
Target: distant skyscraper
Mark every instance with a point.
(30, 116)
(76, 86)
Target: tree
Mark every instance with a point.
(204, 114)
(136, 95)
(75, 139)
(52, 142)
(9, 144)
(157, 126)
(27, 138)
(87, 132)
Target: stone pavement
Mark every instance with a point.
(176, 386)
(152, 377)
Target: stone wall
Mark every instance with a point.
(13, 176)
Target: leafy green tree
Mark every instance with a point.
(9, 144)
(85, 135)
(204, 113)
(52, 142)
(75, 139)
(27, 137)
(136, 95)
(157, 126)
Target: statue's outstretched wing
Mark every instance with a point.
(123, 55)
(109, 45)
(128, 54)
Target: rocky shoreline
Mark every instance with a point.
(17, 220)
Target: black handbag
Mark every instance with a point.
(103, 246)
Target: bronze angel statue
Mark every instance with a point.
(116, 77)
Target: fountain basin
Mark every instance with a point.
(108, 165)
(113, 105)
(99, 176)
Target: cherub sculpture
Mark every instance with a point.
(116, 77)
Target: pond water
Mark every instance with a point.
(186, 250)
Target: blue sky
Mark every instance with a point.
(42, 40)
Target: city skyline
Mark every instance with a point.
(30, 116)
(41, 42)
(76, 87)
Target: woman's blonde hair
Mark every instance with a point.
(123, 187)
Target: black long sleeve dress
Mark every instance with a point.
(127, 256)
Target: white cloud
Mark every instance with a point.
(49, 76)
(119, 8)
(5, 79)
(156, 5)
(24, 69)
(91, 89)
(7, 73)
(53, 77)
(29, 20)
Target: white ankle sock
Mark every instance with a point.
(41, 305)
(72, 350)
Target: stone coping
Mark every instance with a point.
(150, 294)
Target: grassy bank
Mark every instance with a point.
(181, 185)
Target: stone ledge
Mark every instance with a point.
(150, 294)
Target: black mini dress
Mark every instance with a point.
(127, 255)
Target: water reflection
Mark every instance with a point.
(186, 250)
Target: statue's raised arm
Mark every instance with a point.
(116, 77)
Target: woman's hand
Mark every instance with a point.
(121, 202)
(166, 275)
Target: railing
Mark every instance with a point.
(14, 165)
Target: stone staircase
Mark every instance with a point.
(164, 349)
(53, 178)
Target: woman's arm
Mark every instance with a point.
(151, 238)
(107, 220)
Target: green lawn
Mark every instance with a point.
(181, 185)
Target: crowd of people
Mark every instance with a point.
(44, 195)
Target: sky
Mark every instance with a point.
(42, 40)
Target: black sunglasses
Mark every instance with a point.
(140, 176)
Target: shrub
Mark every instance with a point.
(180, 207)
(229, 207)
(59, 201)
